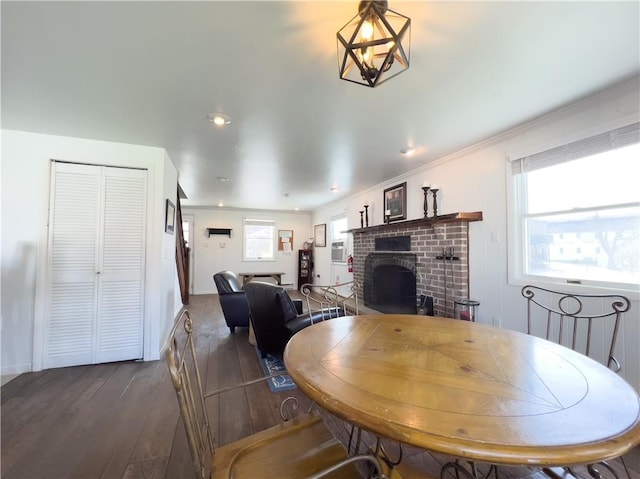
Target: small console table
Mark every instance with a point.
(246, 277)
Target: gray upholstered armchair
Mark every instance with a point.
(232, 299)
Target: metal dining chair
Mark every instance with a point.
(302, 447)
(331, 298)
(587, 323)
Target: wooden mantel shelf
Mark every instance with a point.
(426, 222)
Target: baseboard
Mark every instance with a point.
(16, 369)
(215, 291)
(5, 379)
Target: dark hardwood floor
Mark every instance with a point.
(121, 420)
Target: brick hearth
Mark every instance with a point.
(429, 237)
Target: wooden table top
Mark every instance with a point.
(466, 389)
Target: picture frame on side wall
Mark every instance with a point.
(169, 219)
(320, 235)
(395, 203)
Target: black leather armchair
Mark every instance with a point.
(276, 317)
(232, 299)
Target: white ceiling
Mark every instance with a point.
(150, 72)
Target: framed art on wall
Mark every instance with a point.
(395, 203)
(320, 234)
(169, 218)
(285, 241)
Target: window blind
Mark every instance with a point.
(593, 145)
(251, 222)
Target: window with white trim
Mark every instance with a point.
(338, 231)
(259, 239)
(575, 216)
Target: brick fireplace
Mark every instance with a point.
(440, 246)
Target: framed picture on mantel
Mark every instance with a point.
(395, 203)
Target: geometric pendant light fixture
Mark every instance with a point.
(375, 45)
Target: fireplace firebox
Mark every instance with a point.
(390, 282)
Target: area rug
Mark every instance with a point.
(273, 365)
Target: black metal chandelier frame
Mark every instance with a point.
(355, 47)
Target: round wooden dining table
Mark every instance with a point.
(466, 389)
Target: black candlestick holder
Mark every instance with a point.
(434, 191)
(426, 204)
(366, 215)
(361, 221)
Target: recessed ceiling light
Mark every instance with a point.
(222, 179)
(220, 205)
(219, 119)
(409, 151)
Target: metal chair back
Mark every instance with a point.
(330, 298)
(185, 375)
(571, 319)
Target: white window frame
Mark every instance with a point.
(189, 219)
(517, 209)
(338, 233)
(267, 222)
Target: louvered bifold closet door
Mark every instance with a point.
(96, 265)
(74, 229)
(121, 281)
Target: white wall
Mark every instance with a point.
(476, 179)
(327, 273)
(219, 252)
(26, 159)
(170, 286)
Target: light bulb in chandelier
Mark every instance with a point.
(366, 32)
